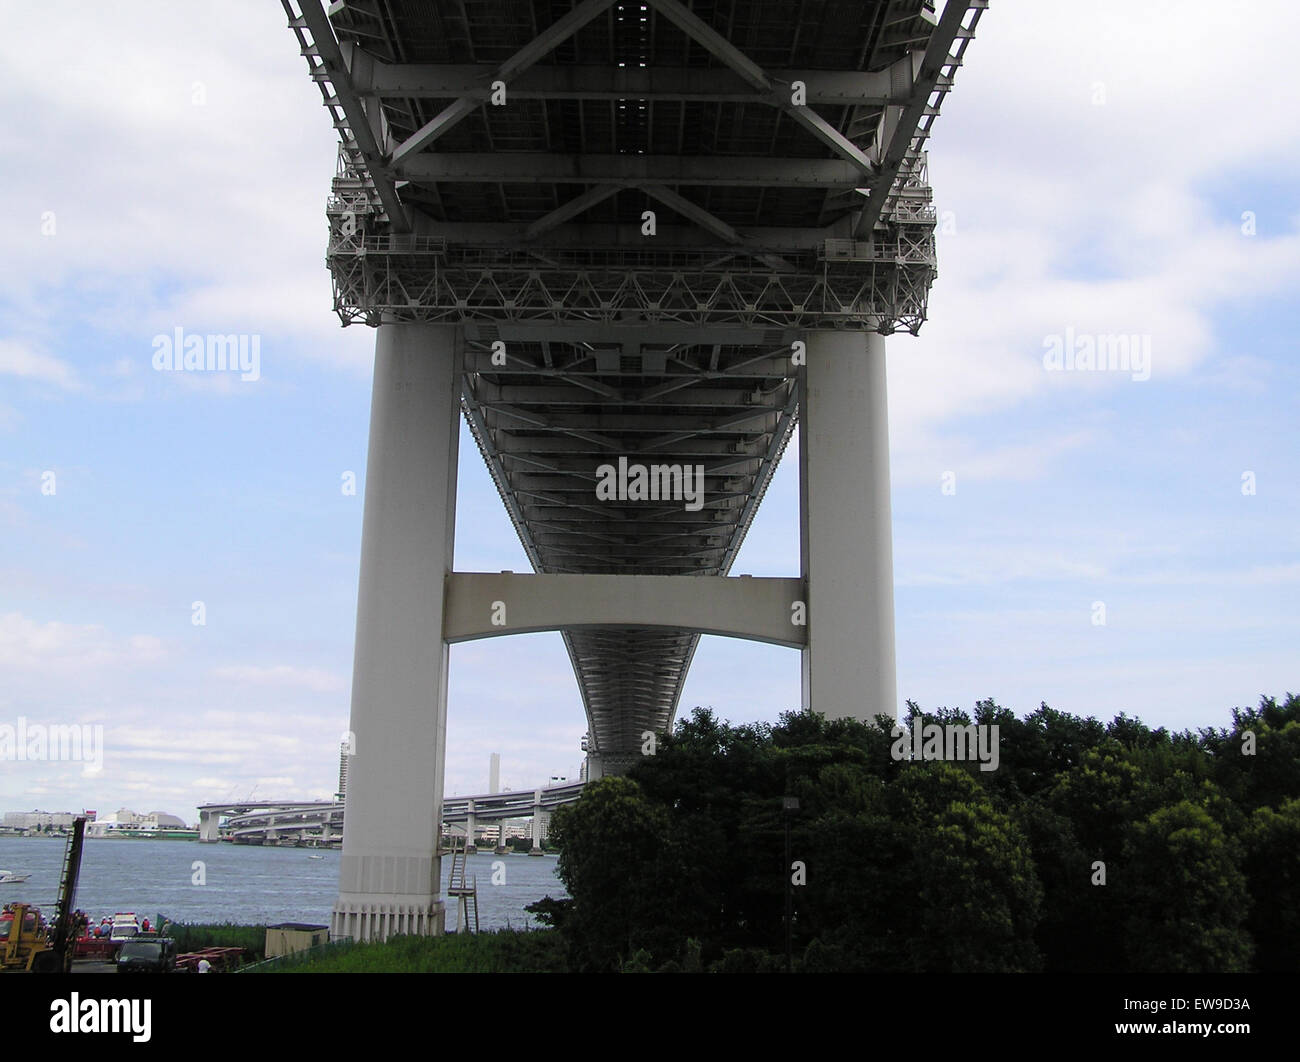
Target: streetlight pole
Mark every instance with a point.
(789, 807)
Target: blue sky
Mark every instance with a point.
(1095, 173)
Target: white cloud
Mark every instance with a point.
(282, 675)
(28, 645)
(1095, 217)
(964, 567)
(929, 454)
(209, 214)
(17, 359)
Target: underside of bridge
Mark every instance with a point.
(647, 231)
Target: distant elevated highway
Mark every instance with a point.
(321, 821)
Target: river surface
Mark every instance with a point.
(244, 883)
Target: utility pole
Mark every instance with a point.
(789, 808)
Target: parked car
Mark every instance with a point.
(143, 954)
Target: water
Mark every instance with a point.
(243, 883)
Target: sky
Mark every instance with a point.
(1102, 541)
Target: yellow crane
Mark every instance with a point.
(27, 942)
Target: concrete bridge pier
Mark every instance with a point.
(536, 850)
(471, 827)
(501, 847)
(846, 529)
(390, 871)
(209, 827)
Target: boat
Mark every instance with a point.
(315, 857)
(8, 877)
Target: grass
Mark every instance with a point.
(191, 937)
(505, 951)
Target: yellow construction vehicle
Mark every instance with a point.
(27, 942)
(23, 936)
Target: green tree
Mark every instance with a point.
(1184, 895)
(1272, 864)
(623, 872)
(1073, 913)
(1100, 798)
(909, 866)
(977, 895)
(942, 866)
(1257, 761)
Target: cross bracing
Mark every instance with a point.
(780, 145)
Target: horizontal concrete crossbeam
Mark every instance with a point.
(487, 605)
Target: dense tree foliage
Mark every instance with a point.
(1091, 847)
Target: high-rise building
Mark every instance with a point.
(38, 820)
(343, 772)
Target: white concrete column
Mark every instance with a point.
(471, 827)
(393, 805)
(209, 827)
(501, 848)
(536, 850)
(846, 531)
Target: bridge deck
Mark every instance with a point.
(497, 161)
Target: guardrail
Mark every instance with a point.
(298, 957)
